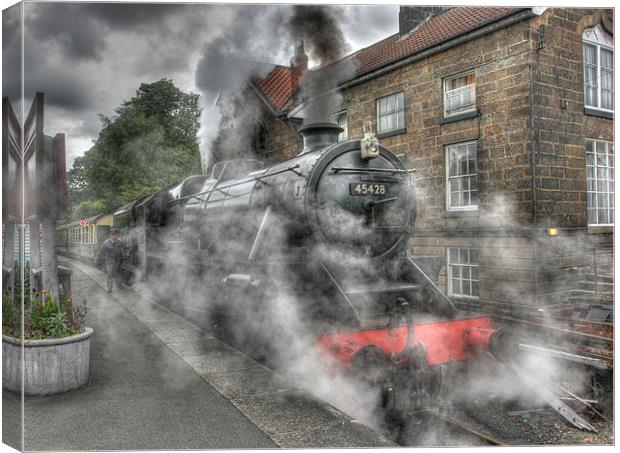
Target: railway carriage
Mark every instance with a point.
(82, 239)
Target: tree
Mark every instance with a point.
(150, 142)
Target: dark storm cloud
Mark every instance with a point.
(62, 87)
(131, 15)
(176, 39)
(80, 36)
(85, 26)
(47, 71)
(254, 34)
(10, 25)
(62, 60)
(11, 54)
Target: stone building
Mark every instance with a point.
(507, 116)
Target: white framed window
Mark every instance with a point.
(600, 169)
(391, 113)
(341, 120)
(459, 94)
(463, 280)
(462, 176)
(598, 69)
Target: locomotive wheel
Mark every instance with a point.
(220, 324)
(417, 384)
(237, 318)
(414, 428)
(371, 368)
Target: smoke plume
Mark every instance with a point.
(259, 37)
(318, 28)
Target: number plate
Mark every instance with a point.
(368, 188)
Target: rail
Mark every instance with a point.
(467, 427)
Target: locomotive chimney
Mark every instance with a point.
(319, 135)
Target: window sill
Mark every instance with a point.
(460, 117)
(460, 213)
(462, 298)
(392, 133)
(597, 229)
(600, 113)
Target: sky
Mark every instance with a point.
(89, 57)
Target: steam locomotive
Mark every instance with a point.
(327, 231)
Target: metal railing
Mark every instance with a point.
(601, 257)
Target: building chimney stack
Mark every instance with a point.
(411, 17)
(299, 62)
(299, 65)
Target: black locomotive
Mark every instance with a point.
(326, 230)
(353, 199)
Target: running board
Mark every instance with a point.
(395, 288)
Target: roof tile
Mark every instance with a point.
(282, 82)
(439, 28)
(278, 86)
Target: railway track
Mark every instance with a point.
(467, 428)
(432, 428)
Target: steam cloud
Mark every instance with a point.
(261, 35)
(277, 322)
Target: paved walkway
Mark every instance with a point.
(140, 395)
(159, 382)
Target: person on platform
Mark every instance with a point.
(112, 251)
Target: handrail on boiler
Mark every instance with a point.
(259, 178)
(372, 170)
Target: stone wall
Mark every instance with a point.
(530, 132)
(500, 62)
(281, 142)
(559, 123)
(506, 264)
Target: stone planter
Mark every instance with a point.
(51, 366)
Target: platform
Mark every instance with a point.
(159, 382)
